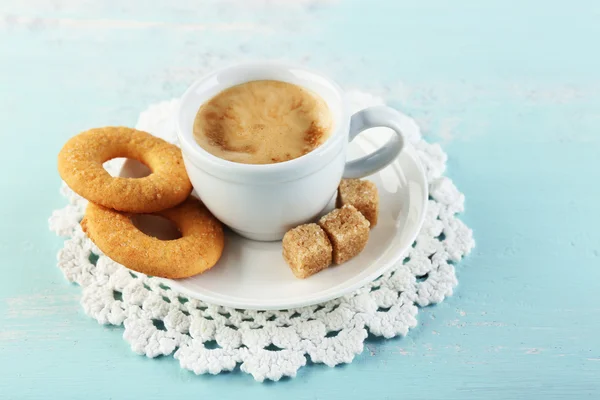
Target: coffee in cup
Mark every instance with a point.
(263, 122)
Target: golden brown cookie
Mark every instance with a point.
(80, 166)
(198, 249)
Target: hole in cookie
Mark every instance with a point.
(156, 226)
(126, 168)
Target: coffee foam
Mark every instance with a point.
(262, 122)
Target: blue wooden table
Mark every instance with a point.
(512, 92)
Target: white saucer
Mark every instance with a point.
(253, 275)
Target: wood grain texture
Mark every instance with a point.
(511, 92)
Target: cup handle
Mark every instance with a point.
(372, 117)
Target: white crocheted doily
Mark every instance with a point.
(268, 344)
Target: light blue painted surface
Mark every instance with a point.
(511, 91)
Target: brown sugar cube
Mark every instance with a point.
(362, 195)
(307, 250)
(348, 231)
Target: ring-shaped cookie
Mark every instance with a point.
(197, 250)
(80, 166)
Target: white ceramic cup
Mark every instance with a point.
(262, 202)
